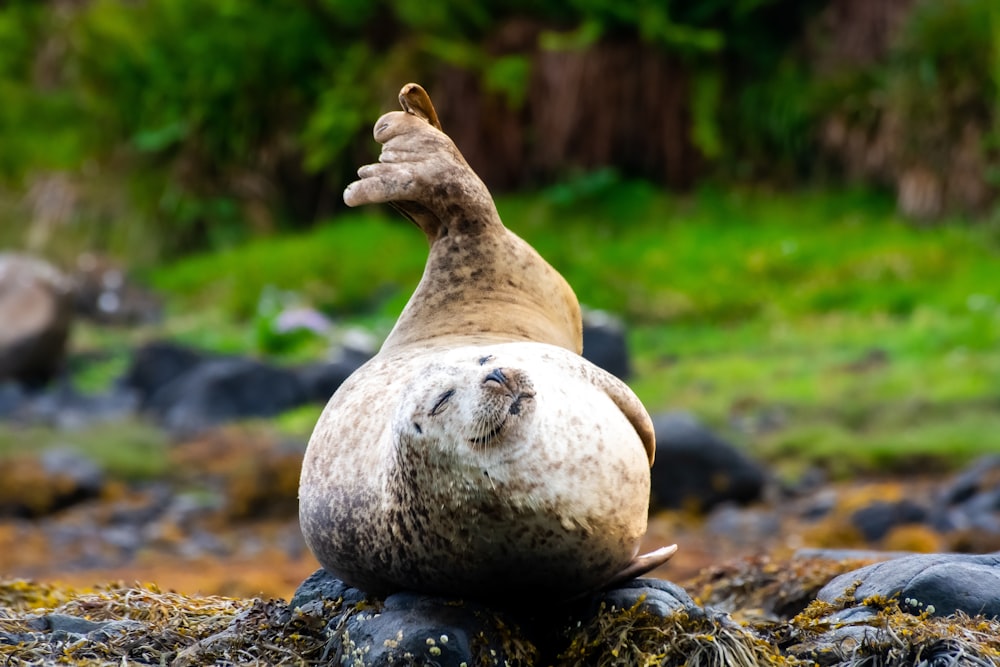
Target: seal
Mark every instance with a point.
(477, 454)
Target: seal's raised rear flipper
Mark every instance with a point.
(415, 100)
(640, 565)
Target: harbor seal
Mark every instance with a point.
(477, 454)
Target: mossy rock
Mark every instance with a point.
(649, 622)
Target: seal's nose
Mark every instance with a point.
(496, 375)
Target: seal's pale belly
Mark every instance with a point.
(479, 470)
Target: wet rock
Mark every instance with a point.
(62, 406)
(743, 526)
(321, 585)
(189, 390)
(64, 627)
(155, 365)
(657, 596)
(876, 520)
(604, 343)
(939, 584)
(12, 398)
(406, 628)
(36, 309)
(426, 630)
(226, 389)
(320, 381)
(968, 507)
(696, 469)
(982, 476)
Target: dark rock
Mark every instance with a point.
(697, 469)
(604, 343)
(12, 399)
(970, 504)
(319, 381)
(982, 475)
(841, 555)
(940, 584)
(656, 596)
(157, 364)
(425, 630)
(36, 309)
(876, 520)
(321, 585)
(405, 628)
(744, 526)
(225, 389)
(61, 405)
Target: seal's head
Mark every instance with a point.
(469, 406)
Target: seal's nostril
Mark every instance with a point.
(496, 375)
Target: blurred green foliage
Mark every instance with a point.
(223, 119)
(190, 101)
(816, 328)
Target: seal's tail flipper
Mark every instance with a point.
(640, 565)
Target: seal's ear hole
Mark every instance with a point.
(416, 427)
(483, 360)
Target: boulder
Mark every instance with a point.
(157, 364)
(36, 312)
(937, 584)
(697, 469)
(225, 389)
(604, 343)
(874, 521)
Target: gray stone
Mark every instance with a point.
(697, 469)
(424, 630)
(939, 584)
(321, 585)
(657, 596)
(604, 343)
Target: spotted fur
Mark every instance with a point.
(477, 454)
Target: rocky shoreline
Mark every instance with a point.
(815, 609)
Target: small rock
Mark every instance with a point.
(743, 526)
(939, 584)
(320, 381)
(225, 389)
(876, 520)
(407, 628)
(656, 596)
(696, 469)
(426, 630)
(604, 343)
(157, 364)
(321, 585)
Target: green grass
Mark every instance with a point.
(124, 450)
(815, 328)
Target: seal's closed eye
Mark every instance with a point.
(442, 399)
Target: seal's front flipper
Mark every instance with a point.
(640, 565)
